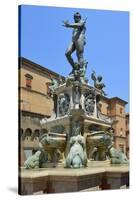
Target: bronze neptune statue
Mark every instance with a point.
(78, 40)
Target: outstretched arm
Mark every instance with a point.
(93, 76)
(74, 25)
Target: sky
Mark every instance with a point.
(43, 40)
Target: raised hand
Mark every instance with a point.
(66, 23)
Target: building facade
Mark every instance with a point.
(35, 104)
(115, 109)
(127, 135)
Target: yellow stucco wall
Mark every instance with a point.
(35, 99)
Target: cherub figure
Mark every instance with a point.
(98, 82)
(53, 85)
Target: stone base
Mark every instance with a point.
(52, 165)
(59, 180)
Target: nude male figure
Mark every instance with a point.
(78, 40)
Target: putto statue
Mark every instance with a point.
(78, 40)
(63, 102)
(53, 86)
(98, 82)
(89, 102)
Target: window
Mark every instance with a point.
(36, 134)
(28, 80)
(48, 92)
(121, 132)
(127, 124)
(108, 110)
(121, 110)
(121, 147)
(28, 133)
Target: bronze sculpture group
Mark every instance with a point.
(74, 102)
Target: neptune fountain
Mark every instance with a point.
(77, 130)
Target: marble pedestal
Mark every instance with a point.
(59, 180)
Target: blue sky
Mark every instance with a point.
(44, 41)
